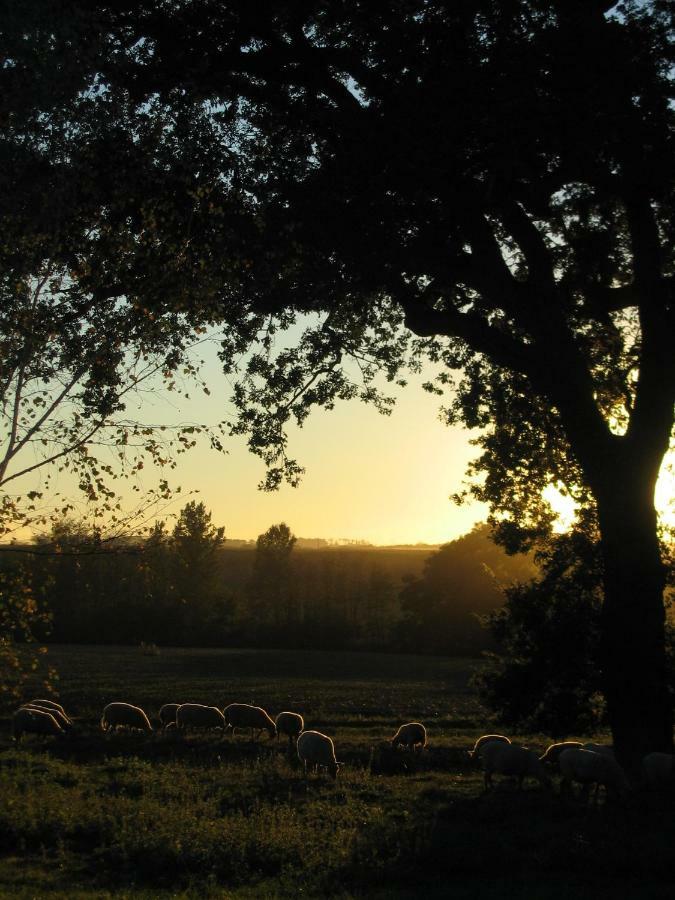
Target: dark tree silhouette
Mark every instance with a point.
(545, 675)
(195, 545)
(462, 582)
(270, 585)
(497, 178)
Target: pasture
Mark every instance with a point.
(164, 816)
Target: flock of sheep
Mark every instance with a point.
(315, 750)
(586, 764)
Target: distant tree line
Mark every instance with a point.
(184, 586)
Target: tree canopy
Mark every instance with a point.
(486, 185)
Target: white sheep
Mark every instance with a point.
(484, 740)
(510, 759)
(167, 714)
(587, 767)
(34, 721)
(410, 735)
(658, 770)
(243, 715)
(60, 717)
(553, 751)
(290, 724)
(196, 715)
(317, 750)
(124, 715)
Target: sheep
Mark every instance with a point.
(195, 715)
(34, 721)
(317, 750)
(510, 759)
(60, 717)
(411, 735)
(604, 749)
(291, 724)
(483, 741)
(658, 770)
(553, 751)
(124, 715)
(167, 714)
(48, 704)
(243, 715)
(588, 767)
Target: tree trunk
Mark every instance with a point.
(633, 656)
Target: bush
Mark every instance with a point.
(545, 675)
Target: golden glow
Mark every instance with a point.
(562, 505)
(664, 499)
(386, 480)
(383, 479)
(664, 496)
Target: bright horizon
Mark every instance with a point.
(385, 480)
(381, 479)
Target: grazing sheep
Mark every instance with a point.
(658, 770)
(588, 767)
(510, 759)
(483, 741)
(195, 715)
(34, 721)
(243, 715)
(124, 715)
(553, 751)
(411, 735)
(317, 750)
(167, 714)
(290, 724)
(604, 749)
(60, 717)
(48, 704)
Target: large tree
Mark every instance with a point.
(494, 178)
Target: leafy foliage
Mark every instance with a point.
(22, 615)
(545, 675)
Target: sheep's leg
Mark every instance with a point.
(487, 779)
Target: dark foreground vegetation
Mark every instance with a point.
(201, 817)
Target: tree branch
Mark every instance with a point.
(425, 321)
(50, 409)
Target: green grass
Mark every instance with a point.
(133, 816)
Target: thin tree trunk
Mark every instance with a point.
(633, 655)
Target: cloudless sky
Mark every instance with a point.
(384, 479)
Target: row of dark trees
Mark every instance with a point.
(184, 586)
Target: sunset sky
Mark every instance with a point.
(382, 479)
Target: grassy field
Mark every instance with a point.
(137, 816)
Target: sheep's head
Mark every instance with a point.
(334, 768)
